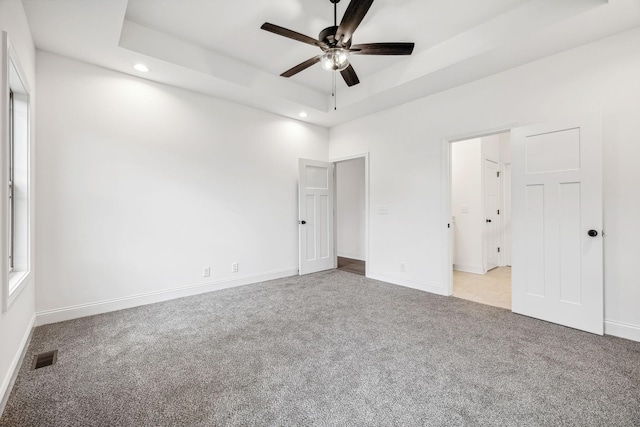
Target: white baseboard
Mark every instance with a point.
(83, 310)
(10, 379)
(622, 330)
(434, 288)
(351, 256)
(468, 269)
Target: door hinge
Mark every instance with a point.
(498, 211)
(498, 174)
(498, 250)
(448, 225)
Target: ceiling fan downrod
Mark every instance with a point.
(335, 11)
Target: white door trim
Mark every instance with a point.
(366, 207)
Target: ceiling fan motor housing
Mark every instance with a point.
(328, 36)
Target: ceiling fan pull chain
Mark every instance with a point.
(333, 84)
(335, 92)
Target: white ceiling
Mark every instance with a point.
(217, 48)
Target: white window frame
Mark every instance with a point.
(13, 85)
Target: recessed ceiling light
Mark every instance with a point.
(303, 114)
(141, 67)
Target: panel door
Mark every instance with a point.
(316, 198)
(557, 223)
(492, 217)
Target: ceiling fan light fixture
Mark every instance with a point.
(335, 59)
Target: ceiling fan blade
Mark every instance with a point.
(349, 75)
(382, 49)
(281, 31)
(300, 67)
(353, 16)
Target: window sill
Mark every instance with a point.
(17, 282)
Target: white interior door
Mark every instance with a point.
(557, 209)
(315, 202)
(492, 215)
(506, 215)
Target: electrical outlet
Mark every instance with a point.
(234, 267)
(403, 267)
(206, 271)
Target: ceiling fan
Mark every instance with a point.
(335, 42)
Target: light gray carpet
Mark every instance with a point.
(329, 349)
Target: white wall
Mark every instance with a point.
(505, 147)
(491, 148)
(142, 185)
(406, 161)
(350, 208)
(16, 323)
(466, 205)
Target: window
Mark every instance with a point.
(15, 172)
(11, 179)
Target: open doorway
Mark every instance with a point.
(351, 221)
(481, 219)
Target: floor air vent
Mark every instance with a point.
(44, 359)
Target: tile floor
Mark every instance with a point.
(493, 288)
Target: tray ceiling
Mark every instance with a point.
(217, 48)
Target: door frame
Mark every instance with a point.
(447, 192)
(336, 160)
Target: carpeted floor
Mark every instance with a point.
(329, 349)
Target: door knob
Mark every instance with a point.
(488, 220)
(302, 222)
(592, 233)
